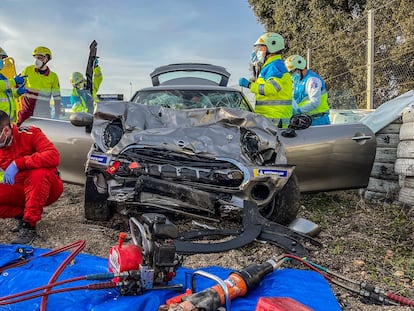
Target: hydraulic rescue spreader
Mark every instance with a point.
(237, 284)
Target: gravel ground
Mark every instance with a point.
(362, 241)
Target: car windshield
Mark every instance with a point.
(189, 99)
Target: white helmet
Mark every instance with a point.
(295, 62)
(272, 40)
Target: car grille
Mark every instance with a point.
(178, 167)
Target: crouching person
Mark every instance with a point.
(29, 176)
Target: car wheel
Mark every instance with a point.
(285, 205)
(96, 205)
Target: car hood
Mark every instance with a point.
(214, 133)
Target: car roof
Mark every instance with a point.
(190, 74)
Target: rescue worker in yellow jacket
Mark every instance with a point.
(42, 84)
(273, 87)
(81, 99)
(309, 94)
(10, 89)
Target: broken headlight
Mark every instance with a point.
(112, 134)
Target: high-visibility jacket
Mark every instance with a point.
(81, 99)
(44, 84)
(41, 87)
(96, 82)
(310, 94)
(274, 91)
(7, 97)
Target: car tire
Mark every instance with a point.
(404, 166)
(285, 205)
(407, 131)
(374, 195)
(386, 155)
(406, 195)
(96, 205)
(408, 182)
(383, 185)
(384, 171)
(408, 115)
(405, 149)
(387, 140)
(392, 128)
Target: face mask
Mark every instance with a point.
(38, 63)
(1, 64)
(261, 56)
(253, 58)
(258, 55)
(4, 143)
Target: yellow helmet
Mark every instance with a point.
(77, 78)
(295, 62)
(272, 40)
(3, 53)
(41, 50)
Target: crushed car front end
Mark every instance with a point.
(196, 162)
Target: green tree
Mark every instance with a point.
(335, 33)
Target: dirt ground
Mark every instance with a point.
(362, 241)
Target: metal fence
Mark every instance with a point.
(374, 57)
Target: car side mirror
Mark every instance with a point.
(300, 122)
(297, 122)
(82, 119)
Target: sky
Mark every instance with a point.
(134, 36)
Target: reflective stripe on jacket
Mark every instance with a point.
(301, 95)
(42, 86)
(273, 89)
(7, 95)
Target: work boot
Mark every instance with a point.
(18, 226)
(26, 235)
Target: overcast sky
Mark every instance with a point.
(134, 36)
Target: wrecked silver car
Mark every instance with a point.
(204, 159)
(198, 162)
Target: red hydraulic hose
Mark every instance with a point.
(391, 296)
(80, 245)
(33, 290)
(401, 300)
(97, 276)
(96, 286)
(47, 254)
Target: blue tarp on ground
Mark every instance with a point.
(307, 287)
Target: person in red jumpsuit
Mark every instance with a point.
(29, 176)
